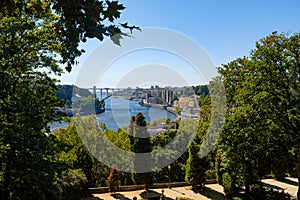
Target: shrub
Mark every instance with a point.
(113, 180)
(210, 174)
(264, 194)
(228, 184)
(269, 194)
(73, 185)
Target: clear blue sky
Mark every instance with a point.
(226, 29)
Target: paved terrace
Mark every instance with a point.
(212, 191)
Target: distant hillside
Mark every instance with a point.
(67, 91)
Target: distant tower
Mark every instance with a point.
(94, 91)
(106, 91)
(167, 95)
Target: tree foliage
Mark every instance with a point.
(201, 90)
(113, 180)
(201, 150)
(90, 105)
(66, 92)
(26, 106)
(175, 171)
(140, 143)
(37, 39)
(68, 22)
(195, 167)
(262, 125)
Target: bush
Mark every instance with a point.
(113, 180)
(210, 174)
(278, 174)
(264, 194)
(228, 184)
(268, 195)
(73, 185)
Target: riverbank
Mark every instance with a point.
(167, 108)
(122, 97)
(70, 112)
(153, 105)
(118, 112)
(172, 110)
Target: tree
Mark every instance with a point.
(278, 59)
(140, 143)
(202, 149)
(71, 151)
(176, 170)
(90, 105)
(195, 167)
(26, 107)
(37, 36)
(201, 90)
(113, 180)
(262, 124)
(66, 92)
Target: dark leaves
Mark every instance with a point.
(131, 28)
(88, 19)
(112, 11)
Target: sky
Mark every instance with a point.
(225, 30)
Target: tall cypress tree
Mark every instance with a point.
(195, 167)
(140, 143)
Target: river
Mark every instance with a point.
(118, 112)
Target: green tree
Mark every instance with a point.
(90, 105)
(202, 150)
(37, 36)
(140, 143)
(262, 127)
(104, 146)
(71, 152)
(72, 184)
(66, 92)
(80, 169)
(176, 170)
(201, 90)
(278, 59)
(26, 106)
(250, 136)
(195, 167)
